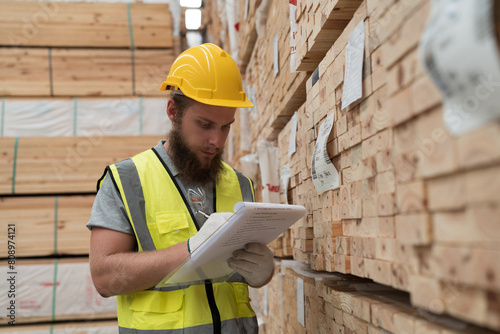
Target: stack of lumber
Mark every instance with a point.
(50, 184)
(248, 32)
(212, 24)
(320, 23)
(86, 24)
(54, 290)
(63, 165)
(417, 208)
(278, 92)
(299, 300)
(83, 72)
(47, 225)
(104, 50)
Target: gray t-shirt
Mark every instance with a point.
(109, 212)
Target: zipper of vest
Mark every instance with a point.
(213, 307)
(208, 284)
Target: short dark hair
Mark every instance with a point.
(182, 102)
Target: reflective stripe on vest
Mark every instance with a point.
(228, 326)
(160, 217)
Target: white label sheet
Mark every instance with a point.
(276, 55)
(353, 76)
(460, 52)
(324, 174)
(292, 143)
(293, 34)
(300, 301)
(285, 179)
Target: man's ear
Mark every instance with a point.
(171, 110)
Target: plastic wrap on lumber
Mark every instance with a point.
(50, 289)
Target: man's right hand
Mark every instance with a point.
(117, 269)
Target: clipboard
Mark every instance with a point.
(250, 222)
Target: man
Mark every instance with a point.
(149, 206)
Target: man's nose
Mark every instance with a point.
(216, 138)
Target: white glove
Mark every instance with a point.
(255, 263)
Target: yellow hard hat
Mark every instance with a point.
(207, 74)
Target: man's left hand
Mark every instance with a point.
(255, 263)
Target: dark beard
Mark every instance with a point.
(190, 168)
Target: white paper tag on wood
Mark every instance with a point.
(292, 142)
(460, 52)
(265, 307)
(353, 76)
(245, 15)
(300, 301)
(324, 174)
(285, 179)
(293, 34)
(276, 55)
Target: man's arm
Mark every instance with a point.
(117, 269)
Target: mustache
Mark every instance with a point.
(212, 150)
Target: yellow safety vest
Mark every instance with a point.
(160, 217)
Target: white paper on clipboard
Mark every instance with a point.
(324, 174)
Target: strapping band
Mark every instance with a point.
(130, 30)
(50, 73)
(132, 46)
(14, 164)
(54, 288)
(56, 210)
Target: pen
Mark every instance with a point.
(203, 214)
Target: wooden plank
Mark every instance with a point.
(446, 192)
(91, 72)
(151, 69)
(68, 165)
(316, 38)
(472, 151)
(414, 229)
(411, 197)
(8, 151)
(83, 72)
(55, 24)
(152, 25)
(25, 72)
